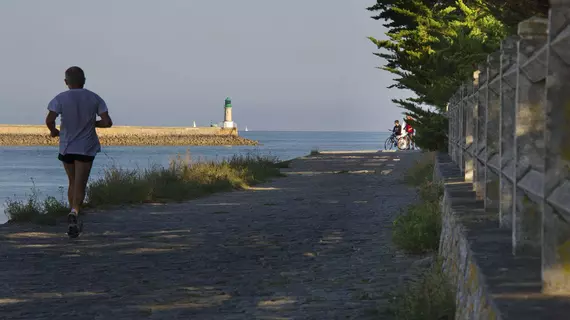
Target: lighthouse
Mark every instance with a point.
(228, 122)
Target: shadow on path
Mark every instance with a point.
(313, 245)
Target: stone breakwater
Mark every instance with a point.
(490, 282)
(129, 136)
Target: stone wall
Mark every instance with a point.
(490, 281)
(509, 145)
(18, 135)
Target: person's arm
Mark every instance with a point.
(103, 112)
(105, 121)
(50, 123)
(54, 109)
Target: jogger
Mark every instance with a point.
(78, 140)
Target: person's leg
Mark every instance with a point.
(69, 166)
(82, 171)
(70, 171)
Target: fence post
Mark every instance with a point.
(556, 205)
(529, 137)
(456, 125)
(480, 152)
(471, 136)
(449, 113)
(492, 132)
(508, 74)
(465, 107)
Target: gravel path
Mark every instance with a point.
(313, 245)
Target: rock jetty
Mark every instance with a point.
(25, 135)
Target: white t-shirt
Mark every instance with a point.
(78, 109)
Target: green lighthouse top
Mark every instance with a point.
(228, 102)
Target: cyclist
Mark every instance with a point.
(410, 133)
(396, 131)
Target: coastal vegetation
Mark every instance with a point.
(428, 297)
(428, 294)
(34, 210)
(418, 228)
(183, 179)
(434, 46)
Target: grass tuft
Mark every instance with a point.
(183, 179)
(418, 229)
(33, 210)
(430, 191)
(422, 171)
(430, 297)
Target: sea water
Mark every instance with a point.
(25, 168)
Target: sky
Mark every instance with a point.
(287, 65)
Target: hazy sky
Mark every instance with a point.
(288, 65)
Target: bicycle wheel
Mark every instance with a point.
(403, 143)
(388, 144)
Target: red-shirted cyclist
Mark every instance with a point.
(410, 133)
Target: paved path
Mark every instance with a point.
(313, 245)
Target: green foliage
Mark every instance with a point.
(511, 12)
(33, 210)
(182, 180)
(421, 171)
(430, 297)
(418, 229)
(430, 191)
(433, 47)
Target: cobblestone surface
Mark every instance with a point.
(313, 245)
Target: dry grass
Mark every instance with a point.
(430, 297)
(422, 171)
(183, 179)
(36, 211)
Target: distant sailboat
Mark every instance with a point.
(246, 128)
(194, 125)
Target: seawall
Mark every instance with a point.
(490, 282)
(36, 135)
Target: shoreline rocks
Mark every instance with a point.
(32, 139)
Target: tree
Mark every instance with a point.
(432, 48)
(511, 12)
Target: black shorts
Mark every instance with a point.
(71, 157)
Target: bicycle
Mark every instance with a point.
(391, 142)
(401, 142)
